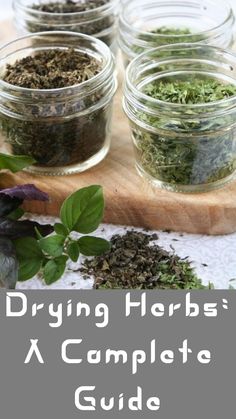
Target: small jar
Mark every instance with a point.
(208, 21)
(66, 130)
(182, 148)
(100, 22)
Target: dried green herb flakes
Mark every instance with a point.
(168, 31)
(190, 92)
(206, 155)
(135, 262)
(169, 35)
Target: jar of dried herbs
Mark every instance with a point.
(148, 24)
(181, 103)
(56, 92)
(92, 17)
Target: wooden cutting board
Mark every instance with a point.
(129, 199)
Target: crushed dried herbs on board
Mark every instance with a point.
(135, 261)
(207, 155)
(93, 25)
(47, 132)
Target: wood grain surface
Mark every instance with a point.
(129, 199)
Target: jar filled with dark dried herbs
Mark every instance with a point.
(181, 103)
(56, 92)
(152, 23)
(91, 17)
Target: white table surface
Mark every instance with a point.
(218, 253)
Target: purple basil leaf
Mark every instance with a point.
(18, 229)
(25, 192)
(8, 264)
(8, 204)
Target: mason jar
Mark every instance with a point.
(189, 21)
(182, 147)
(100, 22)
(65, 130)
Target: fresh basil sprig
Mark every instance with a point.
(82, 212)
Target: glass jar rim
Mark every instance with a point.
(136, 93)
(230, 18)
(99, 78)
(106, 8)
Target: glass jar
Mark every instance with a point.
(66, 130)
(208, 21)
(185, 148)
(100, 22)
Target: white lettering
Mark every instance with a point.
(23, 300)
(64, 347)
(34, 350)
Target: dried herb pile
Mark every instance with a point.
(168, 31)
(98, 24)
(135, 262)
(190, 92)
(194, 150)
(69, 6)
(52, 69)
(53, 132)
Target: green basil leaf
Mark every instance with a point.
(38, 235)
(93, 246)
(30, 257)
(83, 210)
(73, 251)
(8, 264)
(53, 245)
(15, 163)
(61, 230)
(54, 269)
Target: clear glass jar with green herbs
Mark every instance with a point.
(91, 17)
(181, 103)
(149, 24)
(56, 94)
